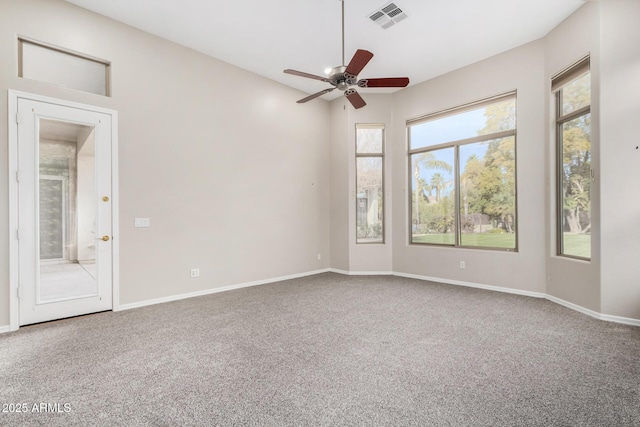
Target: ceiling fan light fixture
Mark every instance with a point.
(344, 76)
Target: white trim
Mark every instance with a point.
(115, 215)
(573, 306)
(618, 319)
(14, 319)
(605, 317)
(473, 285)
(216, 290)
(57, 101)
(362, 273)
(595, 314)
(567, 304)
(13, 96)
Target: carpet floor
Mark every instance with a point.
(326, 350)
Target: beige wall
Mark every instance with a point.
(620, 157)
(339, 184)
(231, 171)
(243, 183)
(346, 254)
(372, 258)
(574, 281)
(610, 283)
(521, 69)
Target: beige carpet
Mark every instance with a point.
(328, 350)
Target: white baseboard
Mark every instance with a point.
(448, 282)
(572, 306)
(606, 317)
(619, 319)
(145, 303)
(362, 273)
(473, 285)
(595, 314)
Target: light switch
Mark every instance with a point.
(142, 222)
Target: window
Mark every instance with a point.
(573, 152)
(55, 65)
(462, 174)
(369, 183)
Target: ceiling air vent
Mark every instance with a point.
(387, 15)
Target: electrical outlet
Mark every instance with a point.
(462, 265)
(195, 272)
(319, 257)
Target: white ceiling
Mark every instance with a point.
(266, 37)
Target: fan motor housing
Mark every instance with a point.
(338, 78)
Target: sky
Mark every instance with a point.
(451, 128)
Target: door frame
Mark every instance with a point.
(13, 96)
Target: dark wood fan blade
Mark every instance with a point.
(354, 98)
(384, 82)
(307, 75)
(315, 95)
(358, 62)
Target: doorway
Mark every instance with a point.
(63, 208)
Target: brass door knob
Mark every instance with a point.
(103, 238)
(105, 199)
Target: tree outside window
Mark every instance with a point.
(463, 176)
(369, 183)
(573, 132)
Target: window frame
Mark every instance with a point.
(22, 41)
(456, 144)
(380, 155)
(575, 71)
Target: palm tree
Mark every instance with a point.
(428, 161)
(437, 182)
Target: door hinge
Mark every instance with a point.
(18, 233)
(18, 292)
(18, 118)
(17, 176)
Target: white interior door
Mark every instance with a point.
(65, 251)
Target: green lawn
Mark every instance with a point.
(489, 240)
(577, 245)
(441, 239)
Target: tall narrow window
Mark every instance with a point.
(462, 165)
(573, 135)
(369, 183)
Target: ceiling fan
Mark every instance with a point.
(345, 76)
